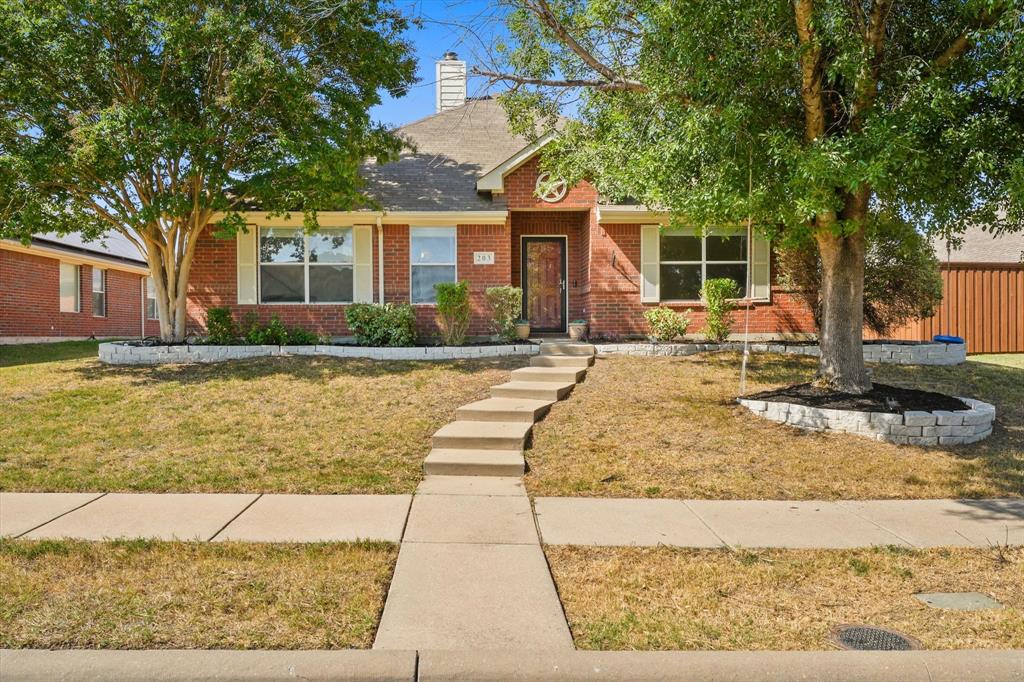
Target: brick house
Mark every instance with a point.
(61, 288)
(465, 204)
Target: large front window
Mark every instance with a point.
(687, 260)
(300, 268)
(431, 260)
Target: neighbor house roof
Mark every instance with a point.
(111, 246)
(980, 246)
(451, 150)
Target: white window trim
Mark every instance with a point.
(703, 263)
(147, 299)
(78, 288)
(102, 290)
(305, 263)
(455, 264)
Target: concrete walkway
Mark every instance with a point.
(512, 665)
(481, 510)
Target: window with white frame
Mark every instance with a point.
(70, 298)
(688, 259)
(300, 268)
(431, 261)
(151, 309)
(99, 292)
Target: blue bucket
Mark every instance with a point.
(942, 338)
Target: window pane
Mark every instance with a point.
(150, 288)
(331, 246)
(736, 272)
(68, 288)
(680, 247)
(330, 283)
(99, 304)
(432, 245)
(280, 245)
(151, 311)
(424, 277)
(680, 282)
(97, 279)
(727, 248)
(282, 284)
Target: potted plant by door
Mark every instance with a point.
(577, 329)
(522, 329)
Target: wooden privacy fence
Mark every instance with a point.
(982, 302)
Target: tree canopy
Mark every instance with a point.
(150, 117)
(809, 117)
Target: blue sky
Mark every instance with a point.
(444, 28)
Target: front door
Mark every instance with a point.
(543, 278)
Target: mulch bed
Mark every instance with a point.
(881, 398)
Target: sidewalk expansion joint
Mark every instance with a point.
(84, 504)
(235, 517)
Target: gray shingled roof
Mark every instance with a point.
(980, 246)
(451, 150)
(112, 244)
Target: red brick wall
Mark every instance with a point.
(213, 282)
(521, 183)
(614, 294)
(30, 300)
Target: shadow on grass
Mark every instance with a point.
(15, 355)
(316, 369)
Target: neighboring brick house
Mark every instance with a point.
(60, 287)
(464, 204)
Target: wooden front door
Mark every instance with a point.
(544, 284)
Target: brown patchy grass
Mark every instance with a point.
(296, 425)
(665, 598)
(166, 595)
(670, 427)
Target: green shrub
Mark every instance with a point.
(220, 327)
(297, 336)
(666, 324)
(387, 324)
(453, 311)
(716, 294)
(506, 306)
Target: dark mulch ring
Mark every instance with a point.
(881, 398)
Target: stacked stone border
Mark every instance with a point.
(939, 427)
(128, 354)
(925, 353)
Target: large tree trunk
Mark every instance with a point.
(170, 268)
(841, 366)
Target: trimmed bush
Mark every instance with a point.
(506, 306)
(387, 324)
(666, 324)
(453, 311)
(220, 327)
(717, 295)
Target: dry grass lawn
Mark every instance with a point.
(670, 427)
(165, 595)
(296, 425)
(634, 598)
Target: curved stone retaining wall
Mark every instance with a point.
(910, 428)
(926, 353)
(125, 354)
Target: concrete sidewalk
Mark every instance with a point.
(471, 573)
(512, 665)
(495, 510)
(804, 524)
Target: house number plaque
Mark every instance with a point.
(483, 258)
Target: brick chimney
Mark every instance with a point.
(451, 82)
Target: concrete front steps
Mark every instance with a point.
(487, 437)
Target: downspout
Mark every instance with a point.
(380, 259)
(142, 279)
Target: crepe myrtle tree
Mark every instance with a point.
(155, 117)
(809, 117)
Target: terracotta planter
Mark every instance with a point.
(577, 330)
(522, 330)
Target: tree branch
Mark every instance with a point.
(605, 86)
(964, 42)
(810, 71)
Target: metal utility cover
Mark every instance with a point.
(961, 601)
